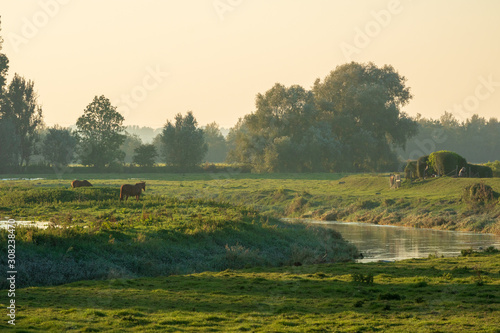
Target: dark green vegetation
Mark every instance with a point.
(183, 142)
(421, 295)
(99, 133)
(474, 138)
(349, 121)
(495, 167)
(446, 163)
(97, 237)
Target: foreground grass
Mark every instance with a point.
(420, 295)
(432, 203)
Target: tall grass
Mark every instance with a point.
(98, 237)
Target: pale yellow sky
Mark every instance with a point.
(154, 59)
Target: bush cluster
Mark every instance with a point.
(478, 194)
(411, 170)
(421, 165)
(481, 171)
(446, 162)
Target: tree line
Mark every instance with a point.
(476, 138)
(349, 121)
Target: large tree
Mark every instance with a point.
(21, 110)
(184, 143)
(350, 121)
(58, 146)
(363, 104)
(99, 130)
(284, 134)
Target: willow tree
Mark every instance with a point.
(363, 104)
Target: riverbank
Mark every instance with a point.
(98, 237)
(421, 295)
(433, 203)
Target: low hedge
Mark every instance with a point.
(411, 169)
(422, 163)
(481, 171)
(445, 163)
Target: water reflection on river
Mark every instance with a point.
(380, 242)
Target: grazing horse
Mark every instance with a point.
(80, 183)
(129, 190)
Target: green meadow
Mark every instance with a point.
(211, 252)
(432, 203)
(421, 295)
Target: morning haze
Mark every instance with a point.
(213, 57)
(234, 166)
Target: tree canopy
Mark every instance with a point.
(99, 130)
(184, 143)
(363, 102)
(22, 116)
(58, 146)
(145, 155)
(350, 121)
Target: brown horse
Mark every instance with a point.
(80, 183)
(130, 190)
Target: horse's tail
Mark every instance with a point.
(121, 193)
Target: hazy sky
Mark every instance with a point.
(154, 59)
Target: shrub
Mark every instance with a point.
(360, 278)
(478, 194)
(446, 162)
(467, 252)
(481, 171)
(422, 163)
(491, 249)
(411, 170)
(495, 167)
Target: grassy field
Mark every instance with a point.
(433, 203)
(421, 295)
(209, 252)
(97, 237)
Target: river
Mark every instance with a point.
(383, 242)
